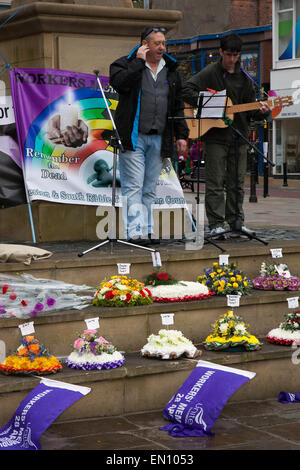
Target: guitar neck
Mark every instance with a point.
(239, 108)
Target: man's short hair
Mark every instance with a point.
(231, 42)
(152, 29)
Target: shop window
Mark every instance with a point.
(288, 29)
(212, 55)
(288, 146)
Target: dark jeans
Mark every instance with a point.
(220, 183)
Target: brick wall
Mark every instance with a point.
(250, 13)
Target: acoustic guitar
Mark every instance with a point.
(199, 127)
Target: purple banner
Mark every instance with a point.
(195, 408)
(64, 132)
(286, 397)
(36, 412)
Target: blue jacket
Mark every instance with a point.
(126, 79)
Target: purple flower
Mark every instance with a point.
(2, 309)
(33, 313)
(39, 307)
(50, 301)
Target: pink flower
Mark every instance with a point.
(89, 333)
(103, 340)
(78, 343)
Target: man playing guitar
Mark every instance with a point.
(218, 142)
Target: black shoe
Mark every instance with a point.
(140, 241)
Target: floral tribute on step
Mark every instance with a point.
(92, 351)
(273, 277)
(121, 291)
(169, 344)
(288, 332)
(165, 288)
(25, 296)
(225, 280)
(230, 332)
(30, 358)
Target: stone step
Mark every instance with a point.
(129, 327)
(145, 384)
(94, 266)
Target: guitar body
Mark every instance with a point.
(199, 127)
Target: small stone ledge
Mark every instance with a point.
(138, 366)
(255, 298)
(48, 17)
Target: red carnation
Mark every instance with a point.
(4, 289)
(142, 293)
(13, 296)
(128, 297)
(24, 303)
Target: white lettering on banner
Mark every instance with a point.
(31, 153)
(179, 411)
(53, 175)
(196, 415)
(198, 385)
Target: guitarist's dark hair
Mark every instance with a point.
(231, 42)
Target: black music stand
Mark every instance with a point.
(117, 146)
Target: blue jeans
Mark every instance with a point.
(139, 173)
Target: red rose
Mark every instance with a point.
(148, 291)
(142, 293)
(13, 296)
(163, 276)
(109, 295)
(24, 303)
(128, 297)
(4, 289)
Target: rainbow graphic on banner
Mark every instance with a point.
(92, 110)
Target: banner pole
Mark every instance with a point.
(31, 222)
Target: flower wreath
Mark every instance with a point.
(121, 291)
(288, 332)
(31, 358)
(225, 279)
(270, 279)
(90, 342)
(230, 331)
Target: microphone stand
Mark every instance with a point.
(117, 146)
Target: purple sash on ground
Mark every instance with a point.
(36, 412)
(285, 397)
(195, 408)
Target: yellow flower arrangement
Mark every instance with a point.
(230, 331)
